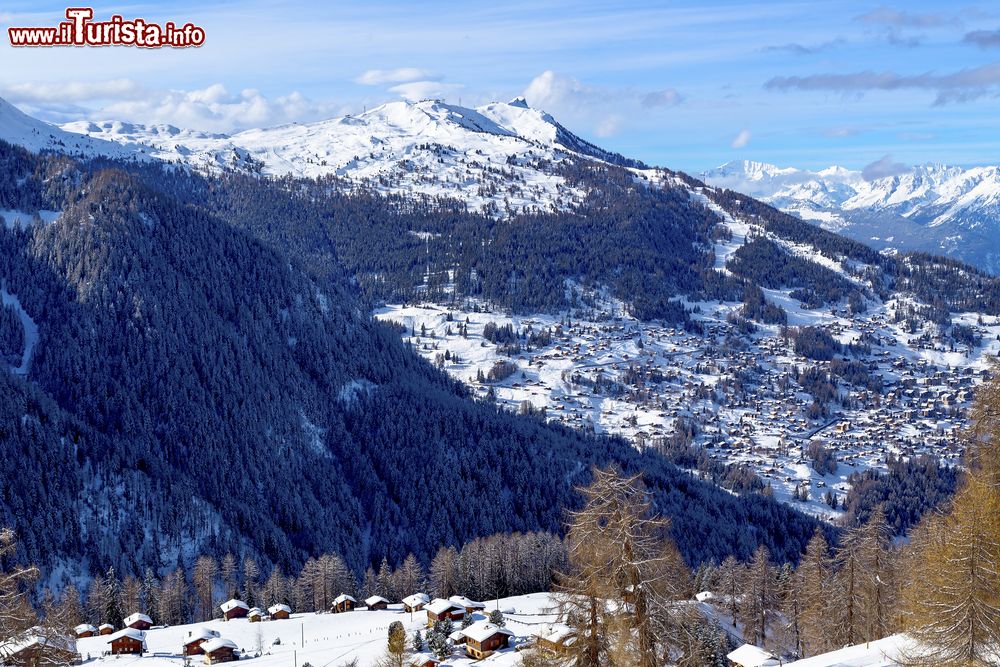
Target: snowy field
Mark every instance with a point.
(322, 640)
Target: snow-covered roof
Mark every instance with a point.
(199, 635)
(105, 625)
(375, 599)
(749, 655)
(423, 658)
(888, 652)
(256, 611)
(37, 636)
(556, 634)
(440, 606)
(343, 597)
(705, 596)
(275, 608)
(84, 627)
(131, 633)
(466, 602)
(216, 643)
(229, 605)
(416, 599)
(129, 620)
(483, 630)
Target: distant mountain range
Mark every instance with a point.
(932, 208)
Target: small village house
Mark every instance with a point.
(440, 609)
(138, 621)
(85, 630)
(482, 639)
(105, 629)
(255, 615)
(194, 640)
(558, 640)
(279, 612)
(749, 655)
(218, 650)
(424, 660)
(234, 609)
(376, 602)
(39, 646)
(127, 641)
(415, 602)
(470, 606)
(342, 603)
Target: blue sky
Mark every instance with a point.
(687, 85)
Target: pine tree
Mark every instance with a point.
(952, 597)
(203, 581)
(251, 580)
(229, 572)
(813, 581)
(760, 597)
(730, 581)
(111, 592)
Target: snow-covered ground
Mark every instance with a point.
(30, 330)
(322, 640)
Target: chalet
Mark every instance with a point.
(440, 609)
(424, 660)
(470, 606)
(234, 609)
(255, 615)
(279, 611)
(127, 641)
(482, 639)
(556, 640)
(749, 655)
(105, 629)
(218, 649)
(138, 622)
(195, 638)
(376, 602)
(84, 630)
(415, 602)
(457, 637)
(39, 646)
(342, 603)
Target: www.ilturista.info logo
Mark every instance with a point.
(81, 30)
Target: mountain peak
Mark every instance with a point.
(519, 101)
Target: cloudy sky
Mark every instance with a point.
(685, 84)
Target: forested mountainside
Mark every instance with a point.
(195, 389)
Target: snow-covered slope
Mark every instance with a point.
(498, 155)
(935, 208)
(20, 129)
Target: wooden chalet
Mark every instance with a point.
(376, 603)
(138, 621)
(749, 655)
(127, 641)
(85, 630)
(557, 640)
(255, 615)
(39, 646)
(440, 609)
(194, 640)
(483, 639)
(342, 603)
(279, 612)
(105, 629)
(218, 650)
(234, 609)
(470, 606)
(424, 660)
(415, 602)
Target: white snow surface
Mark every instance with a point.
(330, 639)
(30, 330)
(35, 135)
(428, 148)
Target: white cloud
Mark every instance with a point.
(380, 77)
(423, 90)
(609, 126)
(741, 139)
(884, 168)
(69, 92)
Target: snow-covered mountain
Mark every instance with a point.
(17, 127)
(500, 154)
(934, 208)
